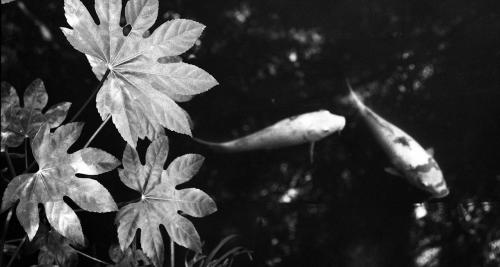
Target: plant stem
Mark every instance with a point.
(4, 234)
(9, 215)
(172, 253)
(30, 167)
(14, 240)
(98, 87)
(92, 258)
(25, 153)
(97, 131)
(16, 252)
(9, 162)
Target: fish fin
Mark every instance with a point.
(311, 152)
(392, 171)
(354, 98)
(218, 147)
(430, 151)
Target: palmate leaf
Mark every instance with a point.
(54, 249)
(23, 122)
(56, 179)
(131, 257)
(141, 90)
(161, 201)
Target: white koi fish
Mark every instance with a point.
(410, 160)
(304, 128)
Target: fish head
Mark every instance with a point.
(322, 123)
(432, 181)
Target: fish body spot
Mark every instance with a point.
(426, 167)
(293, 117)
(402, 140)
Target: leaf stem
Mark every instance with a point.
(14, 240)
(16, 252)
(92, 258)
(172, 253)
(4, 234)
(97, 131)
(98, 87)
(9, 215)
(25, 153)
(30, 167)
(9, 162)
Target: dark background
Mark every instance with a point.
(430, 67)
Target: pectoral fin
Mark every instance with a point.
(311, 152)
(392, 171)
(430, 151)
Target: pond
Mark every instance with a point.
(430, 68)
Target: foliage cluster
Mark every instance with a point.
(138, 89)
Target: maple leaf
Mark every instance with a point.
(131, 257)
(141, 88)
(160, 200)
(23, 122)
(54, 248)
(56, 179)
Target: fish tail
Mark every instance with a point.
(354, 99)
(220, 147)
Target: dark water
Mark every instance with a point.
(430, 67)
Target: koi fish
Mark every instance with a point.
(410, 160)
(304, 128)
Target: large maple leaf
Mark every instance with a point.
(23, 122)
(140, 91)
(160, 200)
(56, 179)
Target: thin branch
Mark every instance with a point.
(9, 162)
(172, 253)
(97, 131)
(9, 215)
(98, 87)
(15, 155)
(32, 165)
(14, 240)
(4, 234)
(92, 258)
(25, 153)
(16, 252)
